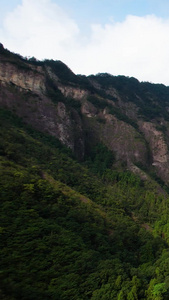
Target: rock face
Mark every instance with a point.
(89, 110)
(70, 131)
(127, 144)
(30, 78)
(72, 92)
(129, 117)
(159, 148)
(23, 90)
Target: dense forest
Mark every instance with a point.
(77, 231)
(81, 227)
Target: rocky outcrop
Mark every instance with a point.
(156, 141)
(23, 76)
(23, 91)
(158, 148)
(70, 131)
(89, 109)
(126, 143)
(73, 92)
(78, 116)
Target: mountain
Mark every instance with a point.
(129, 117)
(84, 184)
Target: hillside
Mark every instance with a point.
(84, 184)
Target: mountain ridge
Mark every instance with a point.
(84, 195)
(116, 111)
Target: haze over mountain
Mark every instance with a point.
(84, 184)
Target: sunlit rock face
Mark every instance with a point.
(30, 78)
(23, 90)
(80, 114)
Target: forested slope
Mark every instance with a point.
(77, 231)
(84, 184)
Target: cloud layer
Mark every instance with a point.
(138, 46)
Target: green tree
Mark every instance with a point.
(158, 291)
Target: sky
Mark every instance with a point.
(120, 37)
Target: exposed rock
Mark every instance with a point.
(44, 115)
(70, 130)
(138, 172)
(125, 142)
(89, 109)
(53, 76)
(28, 78)
(159, 149)
(114, 93)
(113, 120)
(73, 92)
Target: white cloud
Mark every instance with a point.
(39, 28)
(138, 46)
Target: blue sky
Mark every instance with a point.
(102, 10)
(121, 37)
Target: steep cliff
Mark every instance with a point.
(129, 117)
(84, 185)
